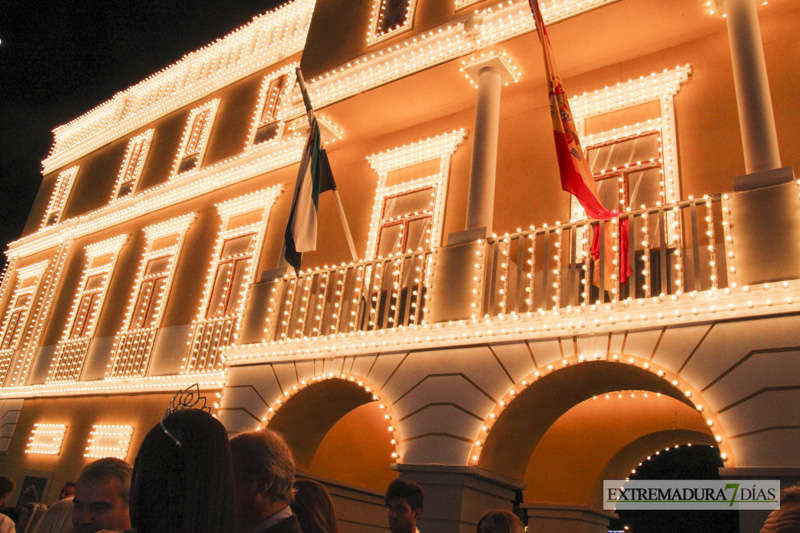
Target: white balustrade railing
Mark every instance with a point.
(369, 295)
(673, 248)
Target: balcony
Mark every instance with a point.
(685, 259)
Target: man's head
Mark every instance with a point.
(404, 500)
(101, 498)
(6, 486)
(67, 490)
(263, 469)
(787, 518)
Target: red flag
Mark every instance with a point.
(576, 176)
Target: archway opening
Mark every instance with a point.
(678, 462)
(339, 431)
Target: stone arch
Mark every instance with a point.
(344, 408)
(534, 404)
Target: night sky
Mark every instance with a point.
(61, 59)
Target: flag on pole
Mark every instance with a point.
(314, 178)
(576, 175)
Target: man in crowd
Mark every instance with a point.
(6, 486)
(67, 491)
(263, 467)
(102, 493)
(404, 500)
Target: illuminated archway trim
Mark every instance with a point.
(384, 404)
(690, 393)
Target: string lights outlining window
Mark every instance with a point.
(236, 257)
(58, 200)
(46, 439)
(440, 147)
(109, 441)
(132, 165)
(71, 350)
(134, 344)
(195, 137)
(268, 119)
(18, 316)
(390, 17)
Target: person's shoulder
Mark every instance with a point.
(6, 524)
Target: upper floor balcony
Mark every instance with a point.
(690, 261)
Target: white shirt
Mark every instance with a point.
(283, 514)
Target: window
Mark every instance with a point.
(109, 441)
(628, 171)
(133, 345)
(244, 221)
(390, 17)
(18, 314)
(195, 137)
(406, 221)
(628, 132)
(267, 121)
(72, 348)
(46, 439)
(58, 200)
(132, 165)
(409, 201)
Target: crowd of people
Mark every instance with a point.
(188, 477)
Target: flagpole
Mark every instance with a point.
(339, 206)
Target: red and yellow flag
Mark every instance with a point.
(576, 176)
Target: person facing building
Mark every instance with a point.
(404, 500)
(263, 466)
(183, 477)
(787, 518)
(314, 507)
(499, 521)
(6, 486)
(102, 495)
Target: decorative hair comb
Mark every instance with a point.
(184, 399)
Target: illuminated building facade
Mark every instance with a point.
(475, 346)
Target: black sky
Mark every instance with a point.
(61, 59)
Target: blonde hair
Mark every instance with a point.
(57, 518)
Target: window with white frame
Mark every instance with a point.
(46, 439)
(132, 165)
(134, 343)
(18, 315)
(628, 132)
(58, 200)
(267, 122)
(390, 17)
(71, 350)
(236, 255)
(195, 137)
(410, 197)
(109, 441)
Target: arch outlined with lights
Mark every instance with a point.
(349, 378)
(673, 384)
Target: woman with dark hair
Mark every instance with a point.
(314, 507)
(183, 477)
(499, 522)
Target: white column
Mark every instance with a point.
(756, 120)
(480, 203)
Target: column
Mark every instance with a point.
(480, 203)
(756, 120)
